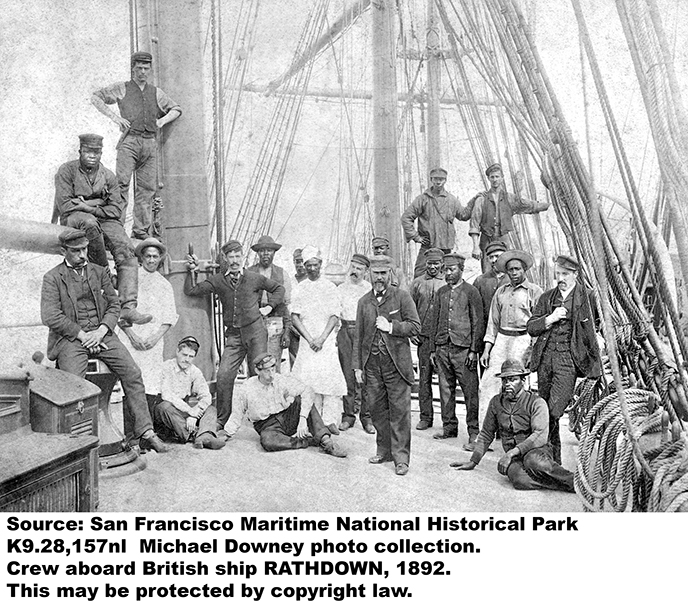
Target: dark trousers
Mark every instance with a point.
(174, 421)
(277, 431)
(425, 371)
(354, 401)
(241, 343)
(451, 362)
(419, 268)
(73, 358)
(138, 155)
(556, 383)
(537, 470)
(389, 396)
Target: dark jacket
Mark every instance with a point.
(397, 306)
(58, 303)
(584, 349)
(464, 325)
(240, 306)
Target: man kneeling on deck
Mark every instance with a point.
(185, 408)
(281, 409)
(522, 420)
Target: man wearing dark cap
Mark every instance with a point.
(240, 292)
(423, 291)
(281, 410)
(520, 417)
(435, 209)
(506, 334)
(185, 409)
(80, 307)
(455, 334)
(350, 292)
(278, 322)
(488, 282)
(380, 245)
(87, 197)
(563, 323)
(492, 215)
(386, 319)
(144, 109)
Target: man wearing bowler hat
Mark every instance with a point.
(492, 215)
(278, 322)
(435, 211)
(240, 292)
(520, 417)
(563, 323)
(385, 321)
(456, 332)
(143, 110)
(80, 307)
(87, 197)
(506, 335)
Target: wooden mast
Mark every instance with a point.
(432, 46)
(385, 121)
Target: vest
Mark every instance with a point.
(140, 108)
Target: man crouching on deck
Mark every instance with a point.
(522, 420)
(281, 409)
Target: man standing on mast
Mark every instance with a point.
(144, 109)
(492, 214)
(435, 209)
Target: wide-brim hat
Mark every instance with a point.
(509, 255)
(512, 367)
(265, 242)
(149, 242)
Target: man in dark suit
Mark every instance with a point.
(240, 292)
(80, 306)
(385, 320)
(566, 346)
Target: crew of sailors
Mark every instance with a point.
(349, 345)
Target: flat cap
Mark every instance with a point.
(264, 360)
(91, 140)
(512, 367)
(380, 262)
(73, 238)
(510, 255)
(438, 171)
(144, 244)
(380, 240)
(496, 246)
(362, 259)
(189, 341)
(493, 167)
(434, 254)
(141, 57)
(454, 259)
(566, 262)
(232, 246)
(266, 242)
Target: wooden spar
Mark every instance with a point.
(338, 27)
(385, 160)
(432, 45)
(402, 97)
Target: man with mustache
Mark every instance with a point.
(520, 416)
(350, 292)
(240, 292)
(566, 346)
(386, 319)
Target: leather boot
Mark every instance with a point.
(128, 288)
